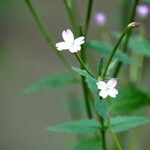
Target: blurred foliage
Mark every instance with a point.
(88, 144)
(52, 81)
(104, 49)
(129, 99)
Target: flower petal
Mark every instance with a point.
(61, 46)
(68, 37)
(79, 40)
(111, 83)
(103, 93)
(65, 35)
(101, 85)
(112, 93)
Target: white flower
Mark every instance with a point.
(107, 89)
(73, 45)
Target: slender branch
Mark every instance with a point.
(45, 32)
(103, 133)
(132, 17)
(72, 18)
(134, 24)
(84, 84)
(85, 67)
(88, 16)
(114, 136)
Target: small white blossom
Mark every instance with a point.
(71, 44)
(107, 89)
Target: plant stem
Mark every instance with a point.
(45, 32)
(103, 77)
(115, 138)
(132, 17)
(115, 49)
(85, 67)
(88, 16)
(84, 84)
(68, 5)
(86, 97)
(103, 134)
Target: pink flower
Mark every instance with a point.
(142, 10)
(100, 18)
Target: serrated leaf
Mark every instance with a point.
(105, 49)
(81, 126)
(88, 144)
(101, 107)
(124, 123)
(91, 82)
(129, 99)
(52, 81)
(140, 45)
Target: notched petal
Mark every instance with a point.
(112, 83)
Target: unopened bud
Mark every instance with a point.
(134, 24)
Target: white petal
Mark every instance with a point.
(70, 36)
(112, 93)
(101, 85)
(103, 93)
(74, 48)
(65, 36)
(79, 40)
(111, 83)
(61, 46)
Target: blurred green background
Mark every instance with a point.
(25, 58)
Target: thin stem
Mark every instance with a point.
(72, 18)
(85, 67)
(45, 32)
(84, 84)
(115, 137)
(132, 17)
(114, 50)
(103, 134)
(88, 16)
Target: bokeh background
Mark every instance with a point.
(25, 57)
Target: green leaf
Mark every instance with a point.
(52, 81)
(88, 144)
(129, 99)
(140, 45)
(101, 107)
(105, 49)
(81, 126)
(91, 82)
(124, 123)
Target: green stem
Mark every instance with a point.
(88, 16)
(132, 17)
(115, 48)
(85, 67)
(45, 32)
(115, 138)
(72, 18)
(103, 133)
(106, 69)
(84, 84)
